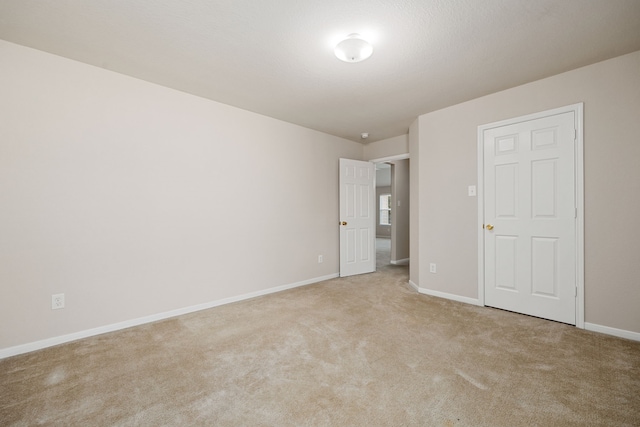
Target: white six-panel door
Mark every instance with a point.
(357, 217)
(530, 216)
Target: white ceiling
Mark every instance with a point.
(275, 57)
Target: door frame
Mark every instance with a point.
(578, 110)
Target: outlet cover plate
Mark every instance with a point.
(57, 301)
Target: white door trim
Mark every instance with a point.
(390, 158)
(578, 110)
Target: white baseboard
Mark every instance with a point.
(621, 333)
(49, 342)
(404, 261)
(466, 300)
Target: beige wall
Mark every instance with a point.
(134, 199)
(400, 225)
(444, 143)
(387, 148)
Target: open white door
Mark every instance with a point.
(357, 217)
(530, 216)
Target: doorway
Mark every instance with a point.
(384, 214)
(358, 217)
(392, 220)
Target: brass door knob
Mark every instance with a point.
(489, 227)
(343, 223)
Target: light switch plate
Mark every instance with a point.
(472, 191)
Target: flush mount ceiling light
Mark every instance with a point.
(353, 49)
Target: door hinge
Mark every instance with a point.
(576, 293)
(575, 134)
(575, 213)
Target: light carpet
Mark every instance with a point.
(359, 351)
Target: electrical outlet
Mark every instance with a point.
(432, 268)
(57, 301)
(320, 259)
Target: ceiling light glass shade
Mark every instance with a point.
(353, 49)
